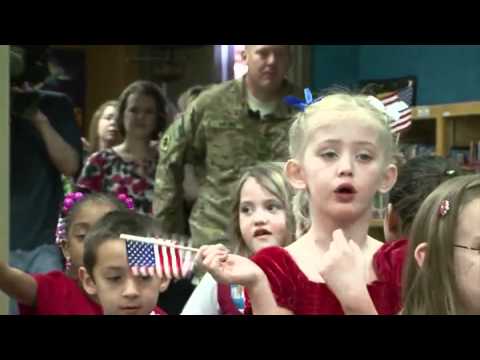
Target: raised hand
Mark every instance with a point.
(343, 269)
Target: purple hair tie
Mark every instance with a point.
(69, 200)
(128, 201)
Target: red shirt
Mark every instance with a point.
(57, 294)
(293, 290)
(225, 301)
(158, 311)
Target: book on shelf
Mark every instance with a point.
(380, 203)
(474, 152)
(460, 154)
(410, 151)
(468, 157)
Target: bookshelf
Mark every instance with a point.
(376, 229)
(442, 126)
(108, 70)
(454, 124)
(376, 222)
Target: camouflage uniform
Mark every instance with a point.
(220, 136)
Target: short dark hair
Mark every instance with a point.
(417, 178)
(110, 227)
(147, 88)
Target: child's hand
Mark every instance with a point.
(343, 268)
(228, 268)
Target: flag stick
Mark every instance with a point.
(159, 242)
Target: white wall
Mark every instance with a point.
(4, 163)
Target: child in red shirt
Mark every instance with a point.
(106, 273)
(57, 292)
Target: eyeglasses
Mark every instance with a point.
(467, 248)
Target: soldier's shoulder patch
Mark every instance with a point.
(165, 143)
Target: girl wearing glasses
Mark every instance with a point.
(443, 266)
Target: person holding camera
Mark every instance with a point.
(45, 143)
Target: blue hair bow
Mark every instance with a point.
(299, 103)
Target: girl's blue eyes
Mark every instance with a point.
(364, 157)
(329, 155)
(245, 210)
(272, 207)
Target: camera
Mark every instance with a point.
(27, 64)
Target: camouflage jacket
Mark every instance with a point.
(220, 136)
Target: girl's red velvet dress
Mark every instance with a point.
(293, 291)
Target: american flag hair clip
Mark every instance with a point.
(444, 208)
(150, 256)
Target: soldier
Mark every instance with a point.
(187, 97)
(229, 127)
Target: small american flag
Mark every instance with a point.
(149, 258)
(401, 102)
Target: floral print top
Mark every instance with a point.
(106, 171)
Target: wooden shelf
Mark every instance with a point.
(446, 110)
(453, 124)
(375, 229)
(443, 115)
(107, 73)
(376, 223)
